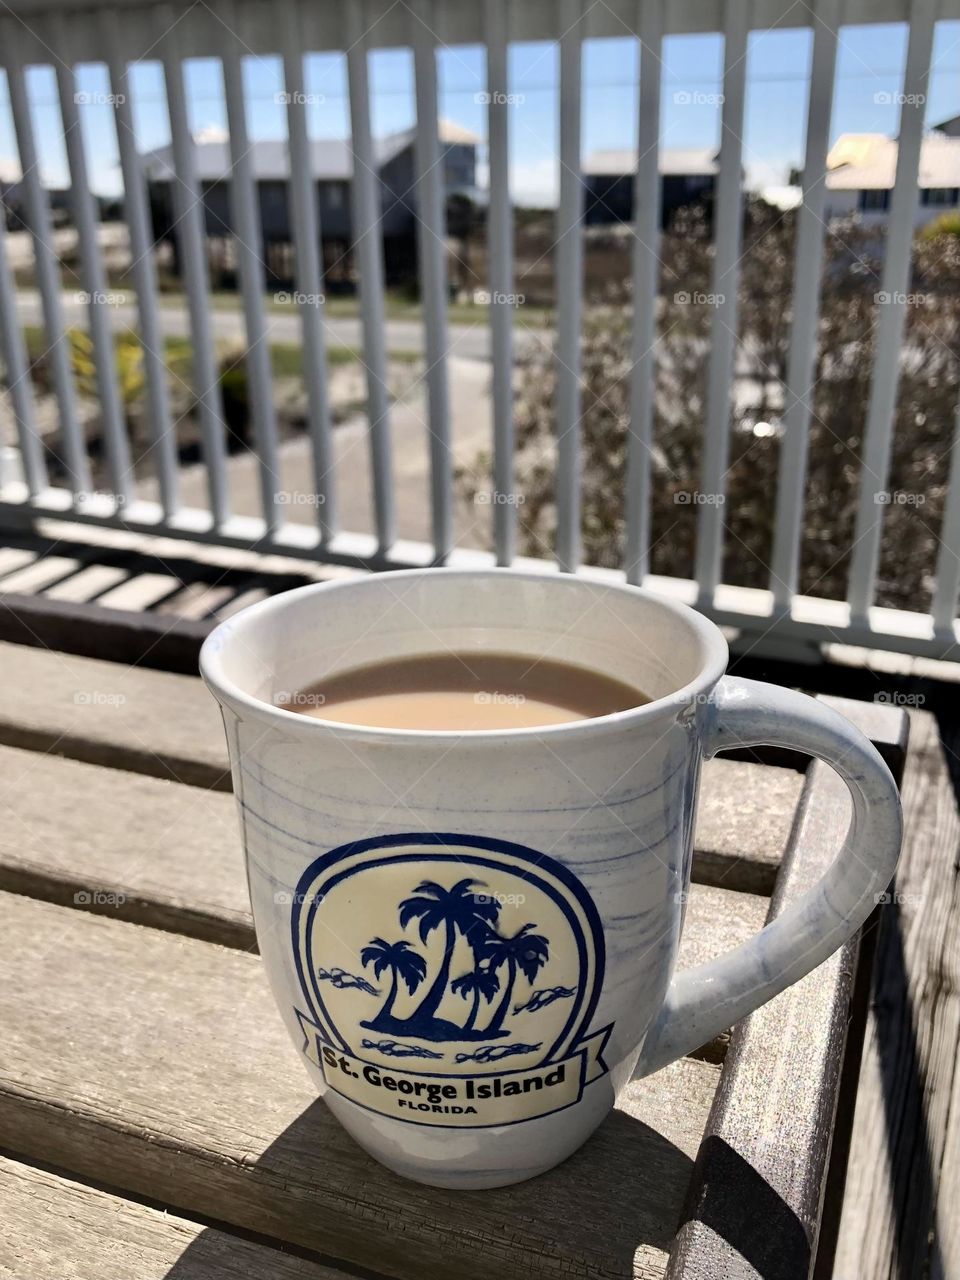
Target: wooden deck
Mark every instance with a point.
(156, 1122)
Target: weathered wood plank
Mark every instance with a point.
(52, 1228)
(172, 854)
(87, 584)
(135, 847)
(161, 854)
(158, 1064)
(756, 1195)
(105, 629)
(743, 824)
(899, 1211)
(109, 714)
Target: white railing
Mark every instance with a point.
(66, 34)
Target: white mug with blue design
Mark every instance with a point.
(472, 937)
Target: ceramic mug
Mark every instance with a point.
(472, 936)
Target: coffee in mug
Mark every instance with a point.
(466, 690)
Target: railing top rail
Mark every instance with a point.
(388, 23)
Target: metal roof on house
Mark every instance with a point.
(868, 161)
(330, 158)
(673, 161)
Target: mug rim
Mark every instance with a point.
(227, 690)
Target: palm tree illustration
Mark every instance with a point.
(525, 952)
(460, 910)
(402, 961)
(478, 982)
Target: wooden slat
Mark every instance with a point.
(133, 847)
(14, 558)
(167, 855)
(109, 714)
(105, 631)
(42, 573)
(159, 1065)
(52, 1228)
(743, 824)
(756, 1197)
(39, 711)
(899, 1211)
(87, 583)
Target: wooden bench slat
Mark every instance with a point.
(134, 846)
(52, 1228)
(167, 855)
(167, 725)
(152, 722)
(158, 1064)
(903, 1178)
(756, 1195)
(743, 823)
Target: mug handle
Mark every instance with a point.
(708, 999)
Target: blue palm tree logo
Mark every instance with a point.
(461, 911)
(478, 982)
(526, 953)
(402, 961)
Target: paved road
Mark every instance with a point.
(471, 342)
(471, 433)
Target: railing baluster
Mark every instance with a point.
(431, 240)
(367, 245)
(723, 334)
(94, 278)
(188, 205)
(18, 374)
(948, 559)
(248, 240)
(309, 273)
(806, 309)
(878, 436)
(569, 276)
(646, 272)
(164, 446)
(500, 281)
(48, 275)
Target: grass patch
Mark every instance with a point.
(397, 306)
(286, 358)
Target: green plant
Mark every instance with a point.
(235, 393)
(947, 224)
(128, 366)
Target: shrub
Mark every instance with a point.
(924, 418)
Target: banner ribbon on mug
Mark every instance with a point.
(472, 1101)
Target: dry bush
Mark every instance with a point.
(925, 412)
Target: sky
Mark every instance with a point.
(870, 65)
